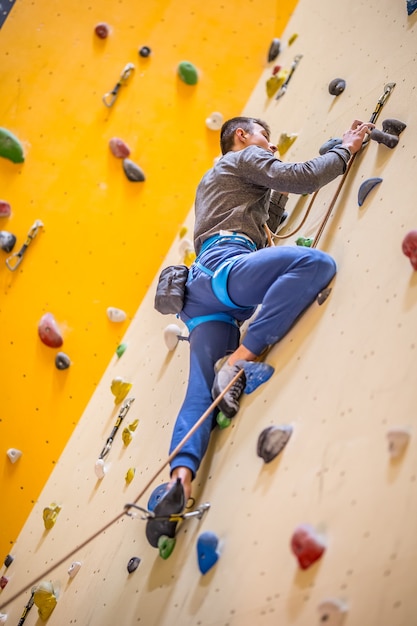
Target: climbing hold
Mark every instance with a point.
(121, 349)
(337, 86)
(172, 333)
(133, 172)
(133, 564)
(223, 421)
(5, 209)
(145, 52)
(331, 143)
(10, 147)
(45, 599)
(130, 474)
(292, 39)
(307, 242)
(274, 49)
(157, 495)
(3, 618)
(207, 553)
(119, 148)
(386, 139)
(3, 582)
(323, 295)
(99, 469)
(214, 121)
(285, 142)
(62, 361)
(332, 612)
(276, 81)
(7, 240)
(366, 187)
(411, 6)
(183, 232)
(307, 545)
(8, 560)
(166, 546)
(120, 388)
(398, 439)
(102, 30)
(50, 514)
(409, 247)
(74, 568)
(256, 373)
(14, 454)
(49, 332)
(272, 440)
(393, 127)
(126, 436)
(188, 73)
(116, 315)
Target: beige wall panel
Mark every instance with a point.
(343, 376)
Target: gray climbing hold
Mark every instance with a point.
(274, 49)
(133, 172)
(133, 564)
(331, 143)
(337, 86)
(385, 138)
(393, 127)
(323, 295)
(62, 361)
(272, 440)
(7, 240)
(366, 188)
(13, 454)
(8, 560)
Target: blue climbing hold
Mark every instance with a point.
(157, 495)
(256, 374)
(366, 187)
(411, 6)
(207, 553)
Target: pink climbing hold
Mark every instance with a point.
(119, 148)
(5, 209)
(409, 247)
(307, 545)
(49, 332)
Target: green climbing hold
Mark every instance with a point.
(10, 147)
(188, 73)
(304, 241)
(222, 420)
(166, 546)
(120, 350)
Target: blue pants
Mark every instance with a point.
(285, 280)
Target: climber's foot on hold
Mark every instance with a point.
(160, 530)
(229, 404)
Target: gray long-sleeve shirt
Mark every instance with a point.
(234, 194)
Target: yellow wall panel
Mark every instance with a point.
(104, 237)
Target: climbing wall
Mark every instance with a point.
(103, 237)
(343, 382)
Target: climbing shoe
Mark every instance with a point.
(229, 404)
(172, 503)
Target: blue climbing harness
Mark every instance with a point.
(219, 278)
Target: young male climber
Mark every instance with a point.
(234, 272)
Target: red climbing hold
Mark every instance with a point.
(49, 332)
(102, 30)
(307, 545)
(409, 246)
(118, 148)
(5, 209)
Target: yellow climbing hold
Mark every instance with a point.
(120, 388)
(133, 426)
(189, 257)
(45, 599)
(130, 474)
(285, 142)
(292, 39)
(183, 232)
(50, 513)
(126, 436)
(275, 82)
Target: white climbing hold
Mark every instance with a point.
(214, 121)
(14, 454)
(171, 336)
(332, 612)
(116, 315)
(185, 246)
(3, 618)
(74, 569)
(398, 439)
(99, 469)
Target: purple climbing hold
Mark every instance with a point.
(272, 440)
(256, 374)
(207, 551)
(133, 171)
(133, 564)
